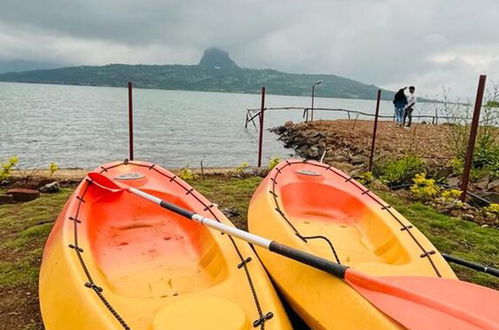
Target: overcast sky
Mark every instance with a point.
(390, 43)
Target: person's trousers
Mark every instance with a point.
(408, 114)
(399, 115)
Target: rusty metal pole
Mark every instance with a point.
(371, 157)
(473, 132)
(130, 120)
(313, 94)
(260, 139)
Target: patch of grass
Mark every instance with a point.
(24, 228)
(450, 235)
(228, 192)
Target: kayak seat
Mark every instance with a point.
(202, 313)
(317, 208)
(136, 253)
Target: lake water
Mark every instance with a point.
(79, 126)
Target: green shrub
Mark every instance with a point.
(7, 167)
(366, 178)
(273, 162)
(396, 171)
(423, 188)
(241, 168)
(492, 208)
(186, 173)
(53, 168)
(451, 194)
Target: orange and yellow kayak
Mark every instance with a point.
(116, 261)
(320, 210)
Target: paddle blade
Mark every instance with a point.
(104, 182)
(430, 303)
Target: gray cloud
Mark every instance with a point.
(430, 43)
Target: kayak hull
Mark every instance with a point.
(115, 261)
(318, 209)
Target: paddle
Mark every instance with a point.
(414, 302)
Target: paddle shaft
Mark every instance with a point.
(284, 250)
(472, 265)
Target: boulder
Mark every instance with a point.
(230, 213)
(51, 187)
(6, 199)
(482, 183)
(23, 194)
(454, 181)
(493, 186)
(357, 160)
(468, 217)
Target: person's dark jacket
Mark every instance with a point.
(400, 100)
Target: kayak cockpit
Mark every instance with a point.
(350, 223)
(145, 253)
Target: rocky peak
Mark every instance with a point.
(217, 58)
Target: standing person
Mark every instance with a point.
(400, 101)
(409, 108)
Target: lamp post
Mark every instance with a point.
(313, 95)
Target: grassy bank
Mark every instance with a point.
(25, 227)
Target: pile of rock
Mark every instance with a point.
(29, 193)
(310, 143)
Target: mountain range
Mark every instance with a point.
(216, 72)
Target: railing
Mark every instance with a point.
(253, 113)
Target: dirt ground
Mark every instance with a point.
(428, 141)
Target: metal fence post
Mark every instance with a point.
(371, 157)
(473, 132)
(130, 121)
(260, 139)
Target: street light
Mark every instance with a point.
(313, 94)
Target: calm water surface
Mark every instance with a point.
(79, 126)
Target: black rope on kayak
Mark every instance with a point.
(106, 303)
(74, 247)
(261, 317)
(208, 207)
(244, 262)
(152, 166)
(90, 282)
(406, 228)
(427, 253)
(363, 191)
(74, 219)
(283, 215)
(305, 238)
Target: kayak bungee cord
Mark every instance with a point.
(364, 191)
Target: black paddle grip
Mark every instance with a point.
(309, 259)
(176, 209)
